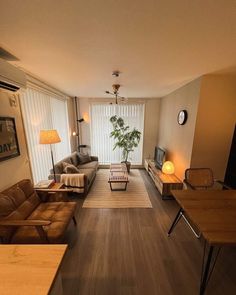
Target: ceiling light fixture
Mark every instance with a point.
(116, 73)
(116, 94)
(116, 88)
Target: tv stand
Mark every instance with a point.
(163, 182)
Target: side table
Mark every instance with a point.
(56, 193)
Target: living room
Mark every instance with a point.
(166, 58)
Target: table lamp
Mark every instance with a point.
(168, 168)
(49, 137)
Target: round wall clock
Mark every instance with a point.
(182, 117)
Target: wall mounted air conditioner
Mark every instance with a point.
(11, 78)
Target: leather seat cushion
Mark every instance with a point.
(59, 213)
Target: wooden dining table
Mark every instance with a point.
(213, 212)
(31, 269)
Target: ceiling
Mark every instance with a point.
(158, 45)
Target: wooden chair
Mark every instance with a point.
(201, 178)
(196, 179)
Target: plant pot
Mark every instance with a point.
(128, 165)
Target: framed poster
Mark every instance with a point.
(9, 147)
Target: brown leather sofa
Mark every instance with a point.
(26, 219)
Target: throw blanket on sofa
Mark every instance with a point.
(74, 181)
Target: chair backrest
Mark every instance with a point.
(17, 202)
(199, 178)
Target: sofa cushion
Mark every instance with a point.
(27, 186)
(74, 158)
(22, 199)
(58, 167)
(17, 196)
(90, 165)
(71, 169)
(83, 158)
(59, 213)
(6, 205)
(65, 165)
(17, 203)
(90, 173)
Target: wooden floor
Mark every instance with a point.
(127, 251)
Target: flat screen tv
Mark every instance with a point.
(159, 157)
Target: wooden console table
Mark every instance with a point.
(163, 182)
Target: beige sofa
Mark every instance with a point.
(86, 167)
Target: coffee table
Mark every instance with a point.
(118, 174)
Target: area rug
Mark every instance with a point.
(100, 195)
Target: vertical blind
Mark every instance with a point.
(42, 110)
(101, 143)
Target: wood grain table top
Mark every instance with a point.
(29, 269)
(118, 167)
(212, 211)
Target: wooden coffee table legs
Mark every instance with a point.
(118, 174)
(118, 189)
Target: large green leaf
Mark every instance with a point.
(125, 139)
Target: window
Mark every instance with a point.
(101, 143)
(44, 110)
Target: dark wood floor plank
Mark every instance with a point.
(127, 251)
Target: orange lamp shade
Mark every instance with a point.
(49, 137)
(168, 168)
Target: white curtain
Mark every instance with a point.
(43, 110)
(60, 123)
(101, 143)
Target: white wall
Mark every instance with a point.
(18, 168)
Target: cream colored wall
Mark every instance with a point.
(215, 123)
(177, 139)
(15, 169)
(150, 123)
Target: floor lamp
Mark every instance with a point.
(78, 121)
(49, 137)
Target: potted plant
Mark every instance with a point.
(124, 138)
